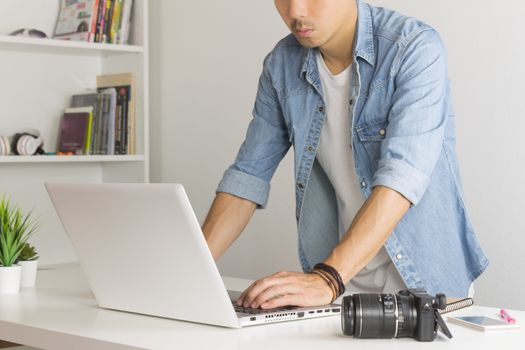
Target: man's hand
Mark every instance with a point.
(287, 288)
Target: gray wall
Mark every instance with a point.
(206, 57)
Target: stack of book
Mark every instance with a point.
(100, 21)
(101, 122)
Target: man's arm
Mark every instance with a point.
(371, 227)
(227, 218)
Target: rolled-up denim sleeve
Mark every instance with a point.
(417, 119)
(265, 145)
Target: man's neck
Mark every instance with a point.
(337, 52)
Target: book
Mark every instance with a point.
(88, 99)
(124, 96)
(94, 17)
(75, 20)
(112, 92)
(97, 137)
(125, 84)
(115, 21)
(75, 131)
(100, 16)
(125, 22)
(107, 20)
(107, 121)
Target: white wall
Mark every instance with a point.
(206, 57)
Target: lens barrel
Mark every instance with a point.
(407, 320)
(348, 315)
(378, 316)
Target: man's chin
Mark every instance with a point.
(308, 43)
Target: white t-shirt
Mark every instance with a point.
(335, 156)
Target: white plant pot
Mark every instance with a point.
(10, 279)
(29, 268)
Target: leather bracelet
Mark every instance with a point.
(333, 272)
(330, 284)
(331, 279)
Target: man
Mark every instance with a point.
(362, 95)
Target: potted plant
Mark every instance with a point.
(15, 229)
(28, 259)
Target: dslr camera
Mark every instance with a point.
(410, 313)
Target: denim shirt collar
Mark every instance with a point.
(363, 45)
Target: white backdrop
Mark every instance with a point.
(206, 57)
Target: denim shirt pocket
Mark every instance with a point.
(370, 134)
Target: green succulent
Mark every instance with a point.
(15, 229)
(28, 253)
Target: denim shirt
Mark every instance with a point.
(403, 138)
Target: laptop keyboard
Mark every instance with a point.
(251, 311)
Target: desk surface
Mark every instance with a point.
(61, 313)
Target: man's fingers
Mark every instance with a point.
(285, 300)
(286, 288)
(258, 287)
(248, 296)
(274, 292)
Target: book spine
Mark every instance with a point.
(124, 127)
(118, 118)
(100, 124)
(125, 22)
(94, 125)
(103, 146)
(107, 20)
(112, 117)
(131, 119)
(87, 140)
(115, 22)
(107, 122)
(100, 17)
(94, 16)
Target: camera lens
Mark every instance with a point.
(378, 316)
(407, 319)
(348, 315)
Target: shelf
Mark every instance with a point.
(65, 46)
(71, 159)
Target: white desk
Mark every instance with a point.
(61, 313)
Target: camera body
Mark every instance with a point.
(410, 313)
(426, 308)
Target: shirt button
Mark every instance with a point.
(351, 102)
(399, 256)
(363, 184)
(382, 132)
(300, 185)
(310, 148)
(321, 109)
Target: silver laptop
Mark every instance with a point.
(142, 250)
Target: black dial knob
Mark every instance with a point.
(441, 301)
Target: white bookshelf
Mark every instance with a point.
(65, 47)
(38, 78)
(72, 159)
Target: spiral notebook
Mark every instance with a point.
(457, 304)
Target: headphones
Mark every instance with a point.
(26, 143)
(5, 146)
